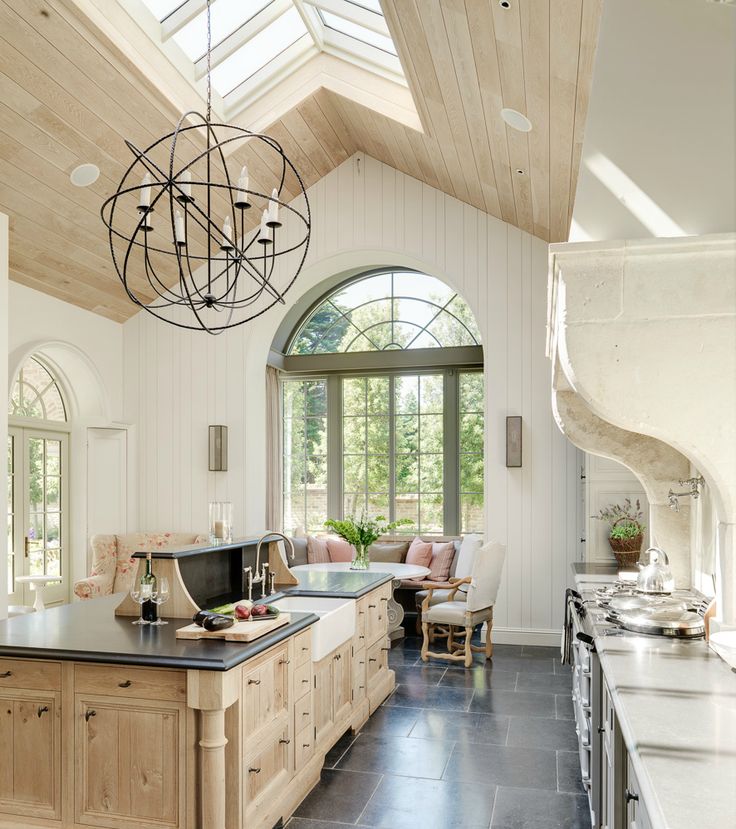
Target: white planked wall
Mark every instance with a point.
(366, 214)
(4, 349)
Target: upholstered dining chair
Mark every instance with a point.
(460, 618)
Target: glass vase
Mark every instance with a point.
(221, 522)
(362, 560)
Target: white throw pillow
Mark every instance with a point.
(470, 545)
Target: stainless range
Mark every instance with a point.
(615, 609)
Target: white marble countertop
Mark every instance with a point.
(676, 705)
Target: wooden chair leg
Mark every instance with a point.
(468, 649)
(489, 643)
(425, 641)
(450, 638)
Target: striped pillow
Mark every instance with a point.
(317, 550)
(443, 554)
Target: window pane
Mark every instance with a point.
(407, 506)
(378, 505)
(407, 434)
(378, 473)
(317, 473)
(353, 473)
(334, 21)
(407, 473)
(53, 457)
(315, 435)
(431, 469)
(431, 514)
(354, 504)
(353, 434)
(36, 394)
(315, 393)
(471, 391)
(353, 396)
(471, 473)
(471, 513)
(227, 16)
(471, 433)
(293, 399)
(407, 395)
(35, 469)
(378, 435)
(431, 393)
(377, 395)
(431, 433)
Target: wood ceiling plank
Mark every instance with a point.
(299, 158)
(564, 39)
(305, 137)
(324, 132)
(535, 40)
(482, 35)
(419, 145)
(324, 100)
(458, 30)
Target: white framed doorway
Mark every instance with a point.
(38, 510)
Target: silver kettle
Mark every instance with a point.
(656, 577)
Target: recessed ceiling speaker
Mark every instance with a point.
(84, 175)
(516, 120)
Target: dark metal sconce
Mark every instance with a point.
(218, 449)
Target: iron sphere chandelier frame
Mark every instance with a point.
(225, 275)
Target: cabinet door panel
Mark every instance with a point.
(323, 691)
(266, 692)
(29, 762)
(342, 687)
(130, 766)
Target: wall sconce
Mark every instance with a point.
(513, 441)
(218, 449)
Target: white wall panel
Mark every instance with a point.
(366, 214)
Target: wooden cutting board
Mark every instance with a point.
(244, 631)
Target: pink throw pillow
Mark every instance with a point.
(419, 553)
(317, 550)
(340, 550)
(442, 557)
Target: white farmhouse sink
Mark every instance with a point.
(336, 620)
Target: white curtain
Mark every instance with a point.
(274, 451)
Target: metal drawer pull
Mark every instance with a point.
(601, 729)
(6, 674)
(90, 713)
(284, 661)
(42, 709)
(255, 771)
(361, 686)
(372, 605)
(385, 649)
(125, 684)
(384, 599)
(371, 659)
(305, 647)
(361, 637)
(305, 682)
(285, 742)
(629, 795)
(254, 682)
(306, 745)
(305, 713)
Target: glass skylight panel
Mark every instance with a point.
(258, 51)
(227, 16)
(162, 8)
(371, 5)
(347, 27)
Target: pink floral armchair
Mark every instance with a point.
(113, 565)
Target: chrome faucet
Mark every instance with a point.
(249, 571)
(269, 536)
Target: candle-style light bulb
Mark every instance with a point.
(241, 196)
(227, 234)
(273, 206)
(180, 234)
(264, 232)
(186, 183)
(144, 198)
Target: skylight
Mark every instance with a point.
(258, 52)
(257, 43)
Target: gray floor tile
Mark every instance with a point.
(402, 656)
(405, 756)
(525, 664)
(563, 707)
(305, 823)
(339, 796)
(555, 684)
(568, 772)
(513, 703)
(392, 720)
(503, 766)
(420, 674)
(340, 747)
(480, 677)
(534, 809)
(429, 696)
(461, 727)
(541, 651)
(538, 732)
(409, 803)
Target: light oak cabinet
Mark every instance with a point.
(30, 773)
(130, 762)
(266, 692)
(324, 708)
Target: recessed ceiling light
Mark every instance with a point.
(84, 175)
(504, 4)
(520, 172)
(516, 120)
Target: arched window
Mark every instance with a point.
(36, 394)
(385, 312)
(383, 407)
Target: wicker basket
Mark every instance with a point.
(626, 550)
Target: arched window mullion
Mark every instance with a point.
(44, 393)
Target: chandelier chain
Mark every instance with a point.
(209, 61)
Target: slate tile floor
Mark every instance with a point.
(492, 747)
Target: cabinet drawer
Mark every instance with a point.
(302, 680)
(269, 767)
(266, 691)
(361, 609)
(30, 674)
(303, 712)
(138, 683)
(304, 749)
(302, 647)
(359, 674)
(376, 659)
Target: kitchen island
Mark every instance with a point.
(114, 726)
(668, 725)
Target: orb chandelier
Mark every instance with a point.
(198, 244)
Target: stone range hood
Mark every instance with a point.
(642, 338)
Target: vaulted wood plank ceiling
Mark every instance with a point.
(69, 96)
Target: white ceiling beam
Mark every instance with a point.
(355, 14)
(180, 17)
(363, 54)
(312, 21)
(242, 35)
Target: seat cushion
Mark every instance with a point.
(394, 552)
(453, 613)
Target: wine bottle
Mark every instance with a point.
(149, 610)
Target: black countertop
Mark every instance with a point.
(188, 550)
(89, 631)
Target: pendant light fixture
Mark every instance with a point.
(194, 238)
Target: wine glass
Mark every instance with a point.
(139, 596)
(159, 596)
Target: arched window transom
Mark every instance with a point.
(36, 394)
(393, 311)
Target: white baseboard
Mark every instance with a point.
(525, 636)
